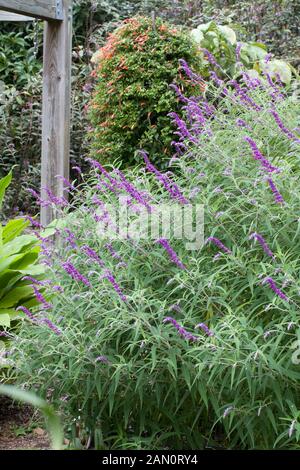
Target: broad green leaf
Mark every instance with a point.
(197, 35)
(4, 319)
(228, 33)
(14, 297)
(13, 228)
(18, 245)
(4, 183)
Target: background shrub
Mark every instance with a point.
(121, 370)
(132, 96)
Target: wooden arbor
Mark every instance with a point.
(56, 87)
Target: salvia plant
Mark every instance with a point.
(152, 345)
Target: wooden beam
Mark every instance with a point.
(13, 17)
(56, 107)
(41, 9)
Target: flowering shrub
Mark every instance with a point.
(132, 98)
(153, 345)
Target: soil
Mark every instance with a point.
(20, 427)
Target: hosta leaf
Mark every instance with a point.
(18, 245)
(4, 319)
(4, 183)
(13, 228)
(14, 297)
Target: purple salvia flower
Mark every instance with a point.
(278, 198)
(211, 59)
(113, 251)
(42, 202)
(219, 244)
(51, 325)
(77, 169)
(27, 313)
(71, 238)
(183, 131)
(192, 75)
(241, 123)
(175, 308)
(205, 329)
(179, 93)
(238, 48)
(270, 281)
(171, 187)
(281, 126)
(4, 333)
(75, 274)
(182, 331)
(41, 298)
(66, 182)
(92, 254)
(57, 288)
(35, 281)
(263, 243)
(105, 173)
(163, 242)
(243, 96)
(33, 222)
(102, 359)
(134, 193)
(216, 79)
(258, 156)
(58, 201)
(267, 58)
(115, 285)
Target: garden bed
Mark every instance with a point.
(19, 428)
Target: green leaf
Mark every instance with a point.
(13, 228)
(4, 183)
(15, 296)
(4, 319)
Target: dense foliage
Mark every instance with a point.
(155, 345)
(21, 61)
(132, 96)
(18, 261)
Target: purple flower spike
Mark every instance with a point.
(102, 359)
(115, 285)
(171, 187)
(192, 75)
(92, 254)
(205, 329)
(27, 313)
(263, 243)
(72, 271)
(272, 284)
(163, 242)
(41, 298)
(278, 198)
(281, 126)
(182, 331)
(258, 156)
(219, 244)
(52, 327)
(211, 59)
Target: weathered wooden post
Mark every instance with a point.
(56, 106)
(56, 87)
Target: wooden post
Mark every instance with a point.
(56, 107)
